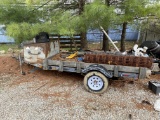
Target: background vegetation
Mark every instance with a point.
(24, 19)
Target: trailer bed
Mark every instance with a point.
(76, 66)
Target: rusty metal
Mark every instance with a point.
(35, 53)
(112, 59)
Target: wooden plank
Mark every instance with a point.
(129, 69)
(111, 67)
(56, 38)
(53, 62)
(45, 64)
(85, 65)
(61, 66)
(53, 39)
(70, 64)
(78, 67)
(68, 46)
(62, 35)
(116, 68)
(77, 42)
(67, 41)
(65, 63)
(142, 73)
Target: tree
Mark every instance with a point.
(78, 7)
(151, 23)
(77, 17)
(83, 34)
(18, 18)
(17, 12)
(105, 39)
(130, 10)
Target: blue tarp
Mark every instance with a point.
(4, 38)
(115, 35)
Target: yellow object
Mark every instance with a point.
(72, 55)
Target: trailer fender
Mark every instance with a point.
(99, 68)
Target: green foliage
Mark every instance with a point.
(136, 9)
(152, 18)
(94, 15)
(23, 20)
(5, 47)
(17, 11)
(8, 2)
(154, 9)
(19, 32)
(32, 2)
(98, 14)
(132, 9)
(18, 14)
(67, 24)
(64, 23)
(25, 31)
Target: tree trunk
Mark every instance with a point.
(105, 39)
(123, 36)
(84, 45)
(81, 6)
(83, 34)
(105, 42)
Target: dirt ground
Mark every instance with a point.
(61, 88)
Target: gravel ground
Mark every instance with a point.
(37, 100)
(45, 95)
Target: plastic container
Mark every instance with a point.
(154, 86)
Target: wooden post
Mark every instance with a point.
(116, 71)
(61, 66)
(142, 72)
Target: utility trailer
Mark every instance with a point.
(47, 56)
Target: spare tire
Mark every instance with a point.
(149, 44)
(153, 47)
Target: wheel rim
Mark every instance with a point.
(95, 83)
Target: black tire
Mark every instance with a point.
(153, 48)
(149, 44)
(95, 82)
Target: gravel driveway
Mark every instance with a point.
(49, 95)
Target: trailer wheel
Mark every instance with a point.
(95, 82)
